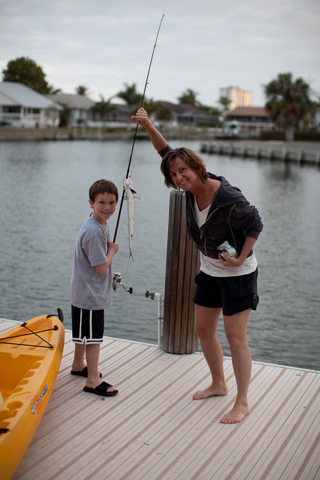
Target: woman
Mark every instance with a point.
(216, 213)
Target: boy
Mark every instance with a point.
(91, 286)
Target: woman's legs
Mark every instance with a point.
(236, 331)
(206, 327)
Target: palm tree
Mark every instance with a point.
(104, 107)
(189, 97)
(81, 90)
(52, 90)
(163, 114)
(131, 96)
(151, 106)
(288, 102)
(225, 105)
(65, 115)
(224, 102)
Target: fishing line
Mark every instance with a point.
(136, 131)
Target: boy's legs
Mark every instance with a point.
(78, 360)
(88, 326)
(92, 355)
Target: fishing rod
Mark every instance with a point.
(136, 130)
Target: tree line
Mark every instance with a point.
(288, 101)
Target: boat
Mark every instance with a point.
(30, 357)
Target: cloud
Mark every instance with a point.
(204, 45)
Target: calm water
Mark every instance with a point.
(44, 200)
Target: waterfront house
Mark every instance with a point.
(79, 105)
(81, 111)
(188, 115)
(249, 120)
(20, 106)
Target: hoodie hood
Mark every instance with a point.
(220, 225)
(226, 194)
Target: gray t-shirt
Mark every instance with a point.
(89, 289)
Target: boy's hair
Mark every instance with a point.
(102, 186)
(190, 158)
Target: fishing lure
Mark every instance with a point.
(130, 196)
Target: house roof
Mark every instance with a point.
(73, 101)
(248, 112)
(12, 93)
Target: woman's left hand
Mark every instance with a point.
(228, 261)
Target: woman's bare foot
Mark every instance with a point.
(235, 415)
(211, 391)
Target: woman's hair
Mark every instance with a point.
(190, 158)
(102, 186)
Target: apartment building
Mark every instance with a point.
(237, 97)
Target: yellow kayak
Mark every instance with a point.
(30, 356)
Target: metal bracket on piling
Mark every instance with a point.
(154, 295)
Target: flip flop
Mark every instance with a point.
(101, 390)
(82, 373)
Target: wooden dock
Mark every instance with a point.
(299, 153)
(154, 430)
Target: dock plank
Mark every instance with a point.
(153, 429)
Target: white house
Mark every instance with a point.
(80, 108)
(250, 120)
(79, 105)
(20, 106)
(188, 115)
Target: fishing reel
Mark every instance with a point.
(116, 282)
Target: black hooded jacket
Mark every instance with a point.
(230, 217)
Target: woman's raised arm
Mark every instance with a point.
(158, 141)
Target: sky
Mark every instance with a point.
(203, 45)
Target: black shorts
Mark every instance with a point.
(87, 325)
(232, 294)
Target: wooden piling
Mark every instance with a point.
(182, 265)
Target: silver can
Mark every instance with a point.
(226, 247)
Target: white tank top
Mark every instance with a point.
(214, 267)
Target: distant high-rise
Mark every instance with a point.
(237, 97)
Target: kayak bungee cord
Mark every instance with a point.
(136, 131)
(31, 333)
(36, 333)
(28, 345)
(54, 328)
